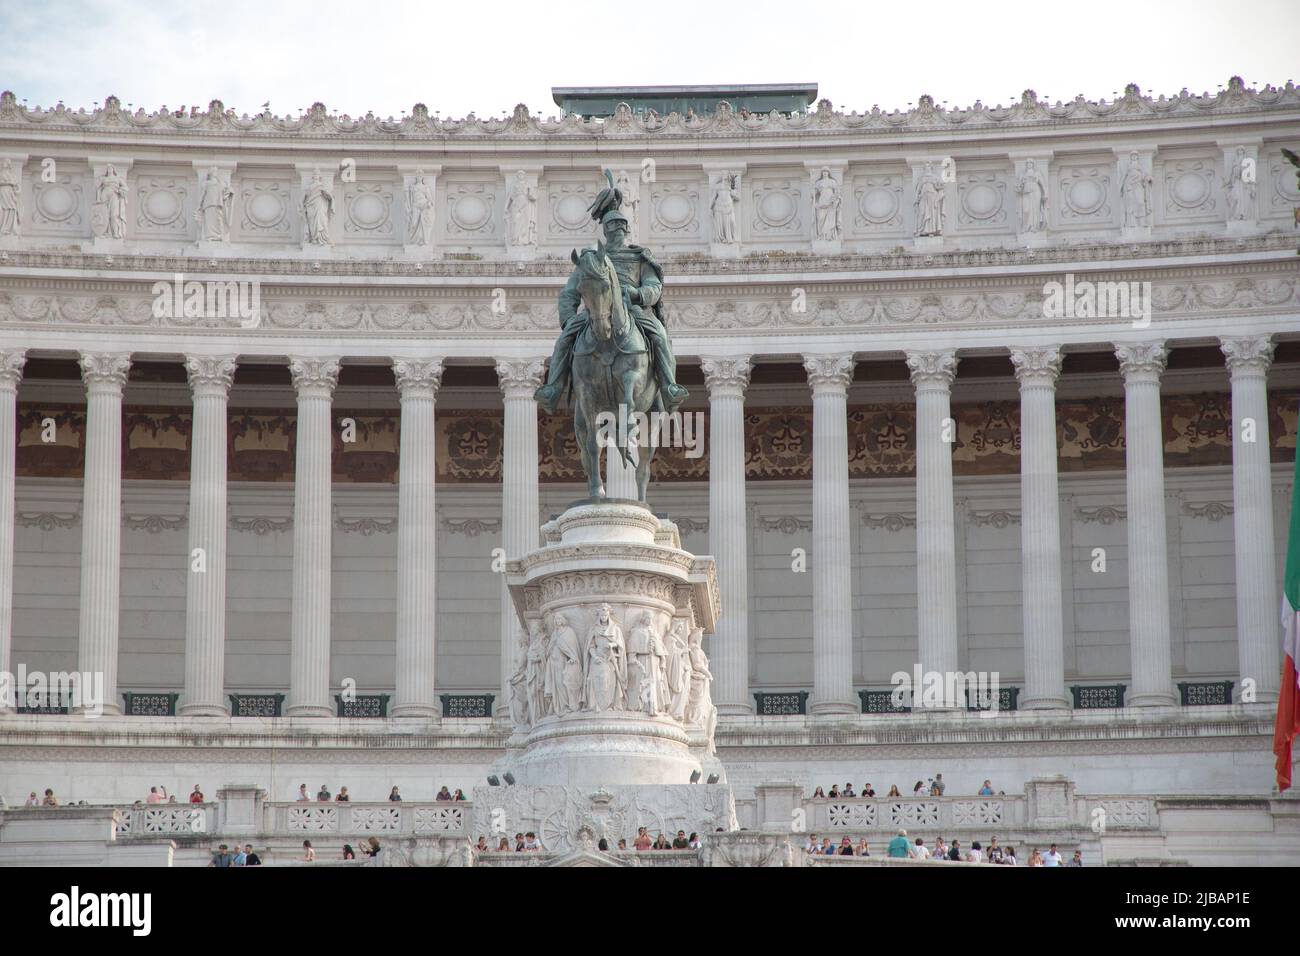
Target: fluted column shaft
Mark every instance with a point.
(726, 379)
(205, 588)
(936, 567)
(1040, 529)
(520, 532)
(829, 376)
(1252, 515)
(1148, 569)
(101, 520)
(11, 371)
(309, 666)
(417, 533)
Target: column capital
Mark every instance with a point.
(105, 368)
(415, 375)
(827, 372)
(518, 376)
(210, 372)
(1141, 359)
(937, 367)
(314, 374)
(11, 367)
(1247, 353)
(730, 374)
(1039, 364)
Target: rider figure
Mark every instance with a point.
(642, 280)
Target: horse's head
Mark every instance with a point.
(601, 294)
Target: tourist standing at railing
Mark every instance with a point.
(848, 790)
(222, 857)
(1053, 857)
(503, 846)
(1077, 859)
(1009, 858)
(155, 796)
(303, 795)
(835, 791)
(343, 796)
(348, 852)
(680, 842)
(323, 794)
(867, 791)
(238, 857)
(954, 852)
(33, 800)
(898, 848)
(940, 849)
(443, 794)
(394, 796)
(846, 847)
(986, 790)
(642, 841)
(197, 795)
(1035, 858)
(252, 858)
(976, 854)
(920, 851)
(694, 842)
(862, 849)
(531, 843)
(917, 791)
(818, 794)
(459, 794)
(481, 846)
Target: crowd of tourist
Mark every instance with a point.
(935, 788)
(394, 795)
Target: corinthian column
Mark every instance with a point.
(101, 519)
(309, 666)
(726, 379)
(829, 376)
(417, 527)
(518, 378)
(936, 537)
(11, 371)
(1040, 529)
(1252, 514)
(1148, 569)
(205, 588)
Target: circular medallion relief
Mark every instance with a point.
(368, 211)
(265, 210)
(56, 202)
(571, 212)
(162, 207)
(469, 212)
(776, 208)
(878, 204)
(675, 211)
(1084, 196)
(1190, 190)
(980, 202)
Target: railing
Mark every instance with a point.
(369, 819)
(941, 814)
(162, 819)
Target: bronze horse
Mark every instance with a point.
(611, 372)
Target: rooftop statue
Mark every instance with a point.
(613, 354)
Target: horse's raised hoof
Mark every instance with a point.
(674, 395)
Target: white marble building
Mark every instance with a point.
(1098, 522)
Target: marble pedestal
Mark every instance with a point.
(617, 554)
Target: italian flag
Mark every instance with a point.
(1288, 712)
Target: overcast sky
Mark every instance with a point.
(487, 56)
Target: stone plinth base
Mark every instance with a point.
(568, 818)
(593, 750)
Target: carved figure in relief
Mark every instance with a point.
(564, 672)
(631, 196)
(1135, 191)
(928, 204)
(520, 715)
(679, 670)
(723, 206)
(1033, 199)
(420, 203)
(214, 210)
(700, 710)
(317, 211)
(538, 701)
(521, 212)
(606, 686)
(11, 185)
(1240, 195)
(826, 203)
(646, 684)
(110, 197)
